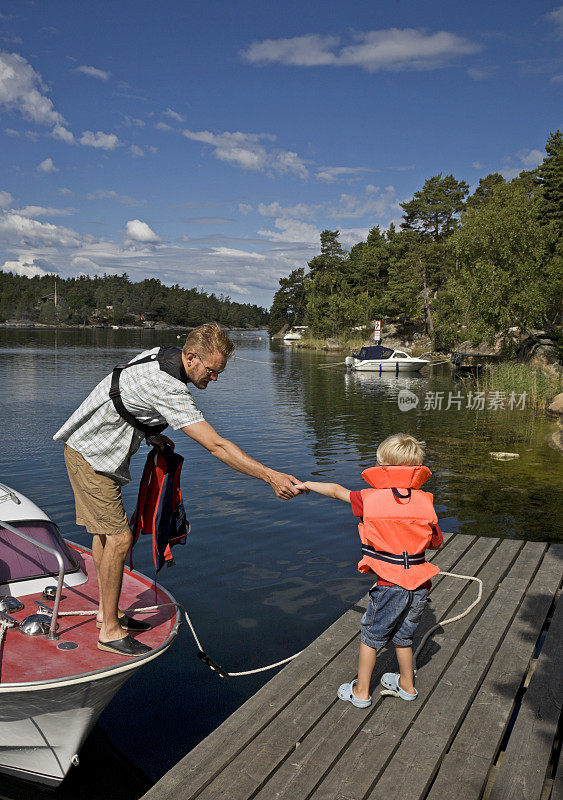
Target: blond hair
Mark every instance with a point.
(400, 448)
(210, 338)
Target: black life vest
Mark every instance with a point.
(170, 361)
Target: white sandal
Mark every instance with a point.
(346, 692)
(390, 683)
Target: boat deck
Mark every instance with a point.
(484, 726)
(25, 659)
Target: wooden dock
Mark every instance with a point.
(485, 725)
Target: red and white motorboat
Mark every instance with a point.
(54, 681)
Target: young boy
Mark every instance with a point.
(397, 524)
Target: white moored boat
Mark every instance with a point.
(384, 359)
(54, 681)
(295, 334)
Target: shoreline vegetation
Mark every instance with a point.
(479, 272)
(115, 300)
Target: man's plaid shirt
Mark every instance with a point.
(106, 441)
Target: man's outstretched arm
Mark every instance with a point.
(231, 455)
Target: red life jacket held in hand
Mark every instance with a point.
(397, 525)
(160, 511)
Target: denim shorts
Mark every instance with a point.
(392, 613)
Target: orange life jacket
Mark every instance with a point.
(397, 525)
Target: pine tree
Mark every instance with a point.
(550, 179)
(432, 211)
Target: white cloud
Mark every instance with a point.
(44, 211)
(103, 141)
(379, 203)
(62, 133)
(245, 208)
(331, 174)
(481, 73)
(173, 115)
(477, 165)
(351, 236)
(292, 230)
(162, 126)
(138, 231)
(556, 16)
(11, 132)
(6, 199)
(136, 151)
(110, 194)
(47, 166)
(85, 265)
(299, 210)
(24, 266)
(248, 151)
(29, 232)
(391, 49)
(64, 190)
(531, 158)
(94, 72)
(230, 252)
(22, 90)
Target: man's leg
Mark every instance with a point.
(98, 544)
(110, 576)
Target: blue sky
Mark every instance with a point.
(208, 144)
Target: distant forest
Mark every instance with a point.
(466, 266)
(115, 300)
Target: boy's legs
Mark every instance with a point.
(366, 663)
(406, 679)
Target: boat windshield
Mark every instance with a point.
(377, 351)
(20, 560)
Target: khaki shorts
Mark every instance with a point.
(97, 497)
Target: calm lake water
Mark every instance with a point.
(260, 577)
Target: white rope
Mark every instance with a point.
(252, 361)
(224, 673)
(435, 363)
(193, 632)
(4, 625)
(469, 608)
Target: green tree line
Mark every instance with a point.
(114, 299)
(468, 266)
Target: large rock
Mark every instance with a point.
(556, 405)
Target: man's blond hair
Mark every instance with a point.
(209, 338)
(400, 448)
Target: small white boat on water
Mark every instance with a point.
(384, 359)
(54, 681)
(295, 334)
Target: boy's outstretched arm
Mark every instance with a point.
(327, 489)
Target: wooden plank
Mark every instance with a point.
(523, 768)
(557, 790)
(384, 729)
(214, 753)
(305, 767)
(473, 751)
(263, 755)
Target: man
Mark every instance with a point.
(135, 402)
